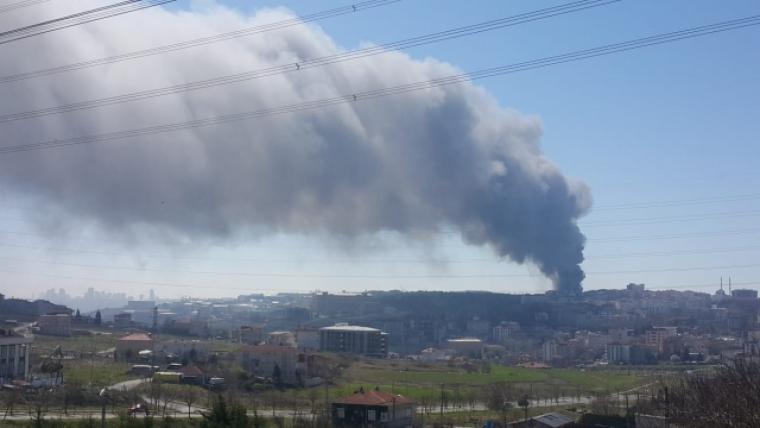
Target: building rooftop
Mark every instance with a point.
(136, 337)
(554, 419)
(373, 398)
(465, 340)
(346, 327)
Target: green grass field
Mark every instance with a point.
(421, 380)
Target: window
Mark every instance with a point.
(370, 415)
(383, 416)
(341, 413)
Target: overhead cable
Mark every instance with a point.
(296, 66)
(397, 90)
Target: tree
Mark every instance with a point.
(524, 403)
(12, 398)
(499, 398)
(98, 318)
(277, 376)
(729, 396)
(189, 395)
(77, 316)
(224, 415)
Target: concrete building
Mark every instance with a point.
(373, 409)
(550, 351)
(261, 360)
(618, 353)
(504, 331)
(655, 338)
(15, 350)
(122, 320)
(307, 339)
(353, 339)
(128, 348)
(55, 325)
(468, 346)
(251, 334)
(281, 338)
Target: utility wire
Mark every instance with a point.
(296, 66)
(670, 219)
(300, 260)
(21, 4)
(678, 202)
(78, 18)
(278, 289)
(16, 261)
(245, 32)
(398, 90)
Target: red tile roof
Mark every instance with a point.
(136, 337)
(373, 398)
(191, 371)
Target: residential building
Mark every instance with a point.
(251, 334)
(122, 320)
(504, 331)
(655, 338)
(353, 339)
(266, 360)
(55, 325)
(281, 338)
(618, 353)
(307, 339)
(549, 351)
(128, 348)
(373, 409)
(467, 346)
(15, 351)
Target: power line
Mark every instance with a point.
(674, 236)
(279, 289)
(300, 20)
(372, 276)
(78, 18)
(292, 67)
(21, 4)
(744, 249)
(398, 90)
(691, 286)
(677, 202)
(671, 219)
(301, 260)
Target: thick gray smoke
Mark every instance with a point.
(441, 159)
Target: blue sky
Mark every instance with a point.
(672, 123)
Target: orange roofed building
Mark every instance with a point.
(373, 408)
(128, 347)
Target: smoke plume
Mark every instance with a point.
(447, 158)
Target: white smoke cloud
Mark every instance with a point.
(440, 159)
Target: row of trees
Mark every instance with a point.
(727, 396)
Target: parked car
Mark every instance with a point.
(138, 408)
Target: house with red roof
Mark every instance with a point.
(128, 348)
(373, 408)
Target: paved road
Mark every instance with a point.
(128, 385)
